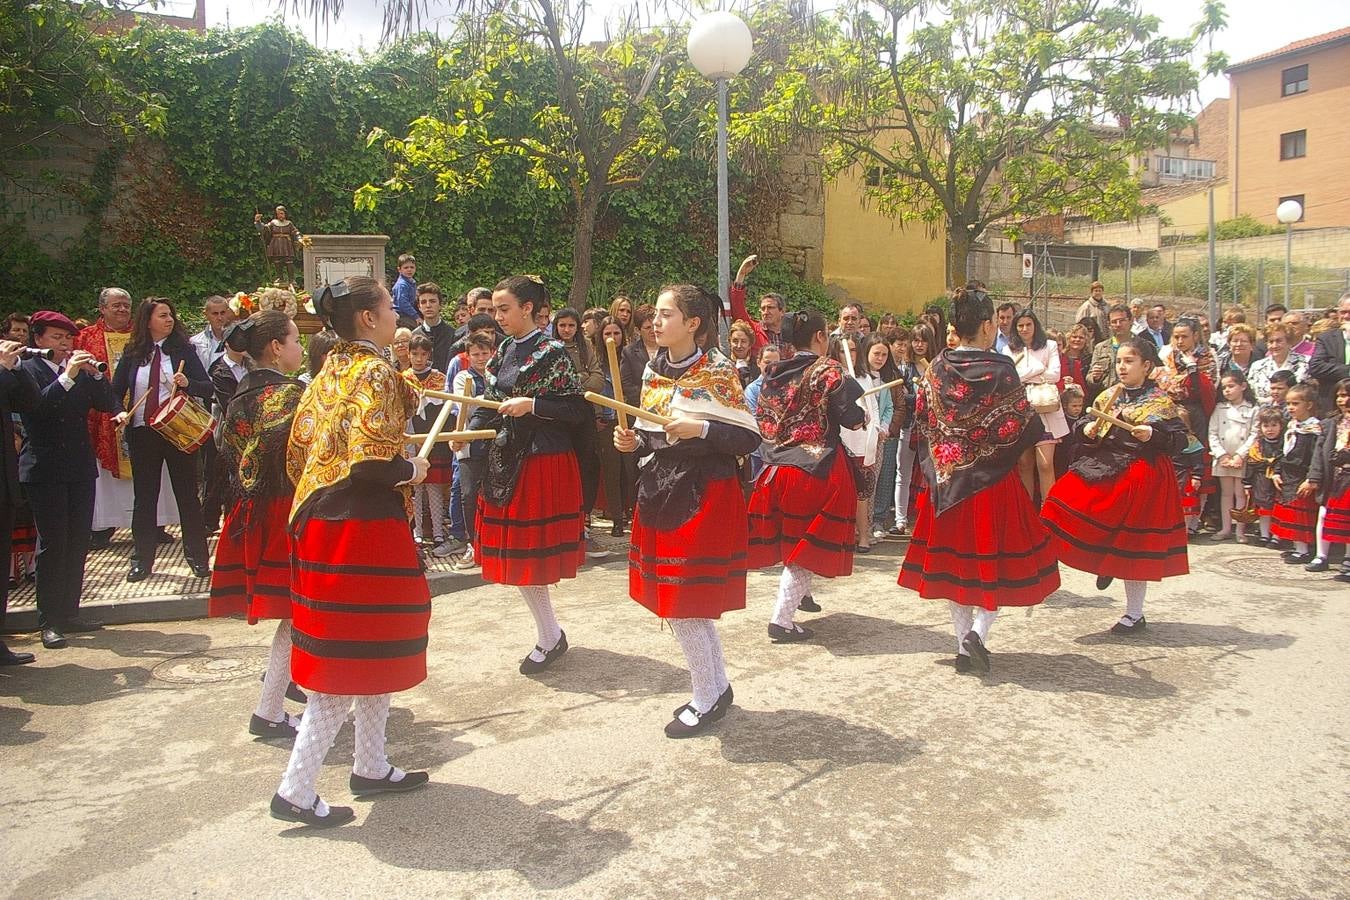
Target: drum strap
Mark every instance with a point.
(152, 402)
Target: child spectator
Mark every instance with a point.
(1230, 428)
(1295, 515)
(1072, 400)
(1330, 474)
(430, 498)
(472, 458)
(1265, 447)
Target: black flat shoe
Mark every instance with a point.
(53, 639)
(77, 625)
(364, 787)
(963, 664)
(530, 667)
(163, 537)
(9, 658)
(861, 549)
(288, 812)
(293, 692)
(262, 728)
(138, 573)
(723, 701)
(199, 570)
(808, 604)
(895, 531)
(1104, 582)
(1122, 628)
(979, 654)
(101, 540)
(681, 726)
(1317, 564)
(780, 635)
(1294, 558)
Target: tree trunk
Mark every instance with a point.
(583, 245)
(958, 251)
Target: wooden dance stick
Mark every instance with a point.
(848, 356)
(463, 421)
(460, 398)
(441, 438)
(1106, 417)
(613, 352)
(146, 396)
(430, 440)
(883, 387)
(633, 411)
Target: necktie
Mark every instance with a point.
(152, 402)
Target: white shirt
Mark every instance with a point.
(141, 383)
(205, 343)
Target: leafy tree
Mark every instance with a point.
(968, 114)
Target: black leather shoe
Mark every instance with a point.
(199, 570)
(1121, 628)
(262, 728)
(1104, 582)
(1317, 564)
(808, 604)
(101, 540)
(163, 537)
(723, 701)
(9, 658)
(76, 625)
(293, 692)
(682, 727)
(780, 635)
(53, 639)
(1294, 558)
(979, 654)
(530, 667)
(138, 573)
(288, 812)
(364, 787)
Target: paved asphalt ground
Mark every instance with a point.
(1207, 757)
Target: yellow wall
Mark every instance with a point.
(1258, 115)
(870, 259)
(1190, 214)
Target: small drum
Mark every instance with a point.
(182, 422)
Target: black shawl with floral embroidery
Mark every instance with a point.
(975, 421)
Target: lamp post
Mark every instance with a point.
(719, 47)
(1288, 212)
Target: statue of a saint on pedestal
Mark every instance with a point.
(280, 239)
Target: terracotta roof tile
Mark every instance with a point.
(1340, 34)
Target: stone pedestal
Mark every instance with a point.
(330, 258)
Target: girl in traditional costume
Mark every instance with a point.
(1117, 511)
(360, 602)
(803, 510)
(977, 541)
(530, 517)
(252, 571)
(687, 561)
(1330, 479)
(1295, 514)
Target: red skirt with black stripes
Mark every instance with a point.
(801, 520)
(695, 571)
(1127, 527)
(252, 571)
(361, 606)
(1336, 528)
(536, 537)
(1295, 520)
(990, 550)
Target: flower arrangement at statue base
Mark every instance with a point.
(275, 296)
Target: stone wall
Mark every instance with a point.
(1328, 248)
(792, 226)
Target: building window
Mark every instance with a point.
(1294, 81)
(1303, 204)
(1186, 169)
(1293, 144)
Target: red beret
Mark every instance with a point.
(45, 318)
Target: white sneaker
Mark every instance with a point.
(878, 534)
(465, 562)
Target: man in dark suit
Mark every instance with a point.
(1331, 356)
(17, 391)
(58, 469)
(1156, 326)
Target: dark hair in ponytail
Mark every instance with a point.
(252, 335)
(1145, 348)
(526, 289)
(801, 326)
(692, 301)
(337, 304)
(970, 308)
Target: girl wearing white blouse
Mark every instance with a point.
(1230, 431)
(1037, 361)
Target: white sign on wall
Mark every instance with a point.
(1028, 265)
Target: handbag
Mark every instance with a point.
(1044, 398)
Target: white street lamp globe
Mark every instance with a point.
(1289, 212)
(720, 45)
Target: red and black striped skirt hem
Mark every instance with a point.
(360, 607)
(536, 537)
(695, 571)
(251, 575)
(799, 519)
(1129, 526)
(1295, 520)
(1336, 526)
(990, 550)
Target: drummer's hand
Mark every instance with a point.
(420, 468)
(1142, 433)
(9, 354)
(180, 380)
(81, 360)
(517, 406)
(682, 429)
(121, 419)
(625, 440)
